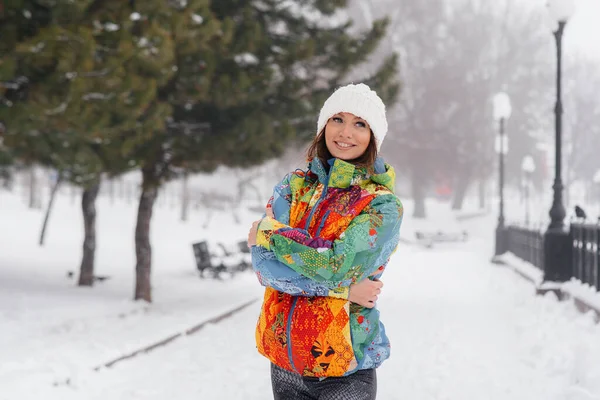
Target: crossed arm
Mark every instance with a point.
(290, 260)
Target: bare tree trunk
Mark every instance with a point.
(208, 219)
(481, 192)
(49, 209)
(73, 194)
(33, 189)
(111, 190)
(172, 198)
(143, 249)
(185, 197)
(459, 193)
(240, 192)
(256, 191)
(243, 184)
(130, 192)
(88, 206)
(418, 194)
(121, 189)
(236, 216)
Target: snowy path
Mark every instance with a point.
(460, 328)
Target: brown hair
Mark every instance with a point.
(318, 148)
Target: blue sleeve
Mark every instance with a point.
(273, 273)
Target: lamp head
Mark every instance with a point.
(502, 107)
(528, 165)
(561, 10)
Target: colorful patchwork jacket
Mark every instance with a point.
(333, 227)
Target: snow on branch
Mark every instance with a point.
(58, 110)
(198, 20)
(94, 74)
(10, 85)
(97, 96)
(311, 14)
(245, 59)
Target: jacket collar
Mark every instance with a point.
(342, 174)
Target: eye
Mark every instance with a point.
(337, 119)
(361, 124)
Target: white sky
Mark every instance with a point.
(583, 30)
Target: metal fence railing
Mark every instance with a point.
(586, 247)
(528, 244)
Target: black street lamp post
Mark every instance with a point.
(596, 190)
(501, 152)
(502, 111)
(557, 212)
(528, 168)
(557, 244)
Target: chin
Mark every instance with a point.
(345, 157)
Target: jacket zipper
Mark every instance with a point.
(289, 322)
(322, 224)
(289, 336)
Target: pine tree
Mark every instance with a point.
(180, 86)
(19, 19)
(244, 94)
(87, 81)
(6, 159)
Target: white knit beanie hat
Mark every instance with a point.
(361, 101)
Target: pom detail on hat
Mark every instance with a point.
(361, 101)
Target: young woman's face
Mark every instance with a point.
(347, 136)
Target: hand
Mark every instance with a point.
(252, 233)
(366, 292)
(269, 211)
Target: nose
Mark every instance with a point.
(346, 130)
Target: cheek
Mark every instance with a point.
(364, 137)
(330, 129)
(328, 133)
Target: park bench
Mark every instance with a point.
(217, 259)
(429, 238)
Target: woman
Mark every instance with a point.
(326, 231)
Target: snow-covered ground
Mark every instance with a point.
(461, 328)
(52, 330)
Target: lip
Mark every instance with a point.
(344, 148)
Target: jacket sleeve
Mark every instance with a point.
(367, 244)
(273, 273)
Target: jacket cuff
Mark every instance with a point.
(340, 292)
(266, 228)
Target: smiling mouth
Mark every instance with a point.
(344, 146)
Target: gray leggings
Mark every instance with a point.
(361, 385)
